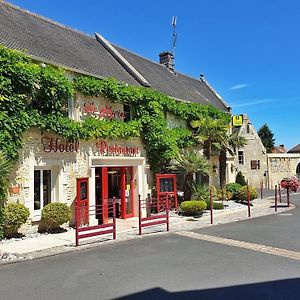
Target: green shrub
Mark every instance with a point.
(224, 195)
(234, 189)
(1, 223)
(214, 192)
(55, 214)
(193, 207)
(243, 195)
(216, 205)
(240, 179)
(200, 192)
(15, 215)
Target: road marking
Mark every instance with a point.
(241, 244)
(284, 214)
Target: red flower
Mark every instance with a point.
(291, 183)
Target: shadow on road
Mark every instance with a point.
(288, 289)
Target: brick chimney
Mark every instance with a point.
(166, 58)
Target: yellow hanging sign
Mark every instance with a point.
(237, 120)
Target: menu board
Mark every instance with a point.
(166, 185)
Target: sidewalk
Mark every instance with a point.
(52, 244)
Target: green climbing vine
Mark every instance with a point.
(32, 95)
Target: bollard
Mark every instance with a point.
(261, 190)
(248, 193)
(288, 196)
(76, 224)
(211, 206)
(275, 197)
(279, 191)
(167, 212)
(140, 216)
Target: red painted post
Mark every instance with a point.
(288, 196)
(261, 190)
(114, 219)
(248, 193)
(211, 206)
(279, 191)
(76, 224)
(275, 197)
(140, 216)
(167, 212)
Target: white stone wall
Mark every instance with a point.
(66, 167)
(281, 165)
(254, 150)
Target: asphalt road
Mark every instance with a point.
(169, 266)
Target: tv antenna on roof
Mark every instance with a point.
(174, 22)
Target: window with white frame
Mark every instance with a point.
(42, 189)
(241, 157)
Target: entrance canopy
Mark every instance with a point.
(112, 161)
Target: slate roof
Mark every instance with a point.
(48, 41)
(296, 149)
(174, 84)
(52, 42)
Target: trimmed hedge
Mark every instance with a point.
(55, 214)
(224, 195)
(216, 205)
(193, 207)
(15, 215)
(243, 195)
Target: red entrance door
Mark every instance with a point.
(104, 194)
(127, 192)
(82, 197)
(118, 183)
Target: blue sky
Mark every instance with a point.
(248, 50)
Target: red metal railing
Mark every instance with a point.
(154, 217)
(83, 230)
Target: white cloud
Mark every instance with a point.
(239, 86)
(254, 102)
(265, 100)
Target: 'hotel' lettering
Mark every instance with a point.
(54, 145)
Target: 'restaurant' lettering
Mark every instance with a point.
(55, 145)
(116, 150)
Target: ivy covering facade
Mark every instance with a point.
(32, 95)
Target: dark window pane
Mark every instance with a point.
(46, 187)
(166, 185)
(37, 189)
(127, 112)
(83, 190)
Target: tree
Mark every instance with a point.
(209, 131)
(267, 137)
(190, 161)
(229, 144)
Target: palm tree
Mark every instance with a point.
(190, 161)
(230, 143)
(209, 131)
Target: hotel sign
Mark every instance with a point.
(237, 121)
(55, 145)
(102, 111)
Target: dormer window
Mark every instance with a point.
(127, 113)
